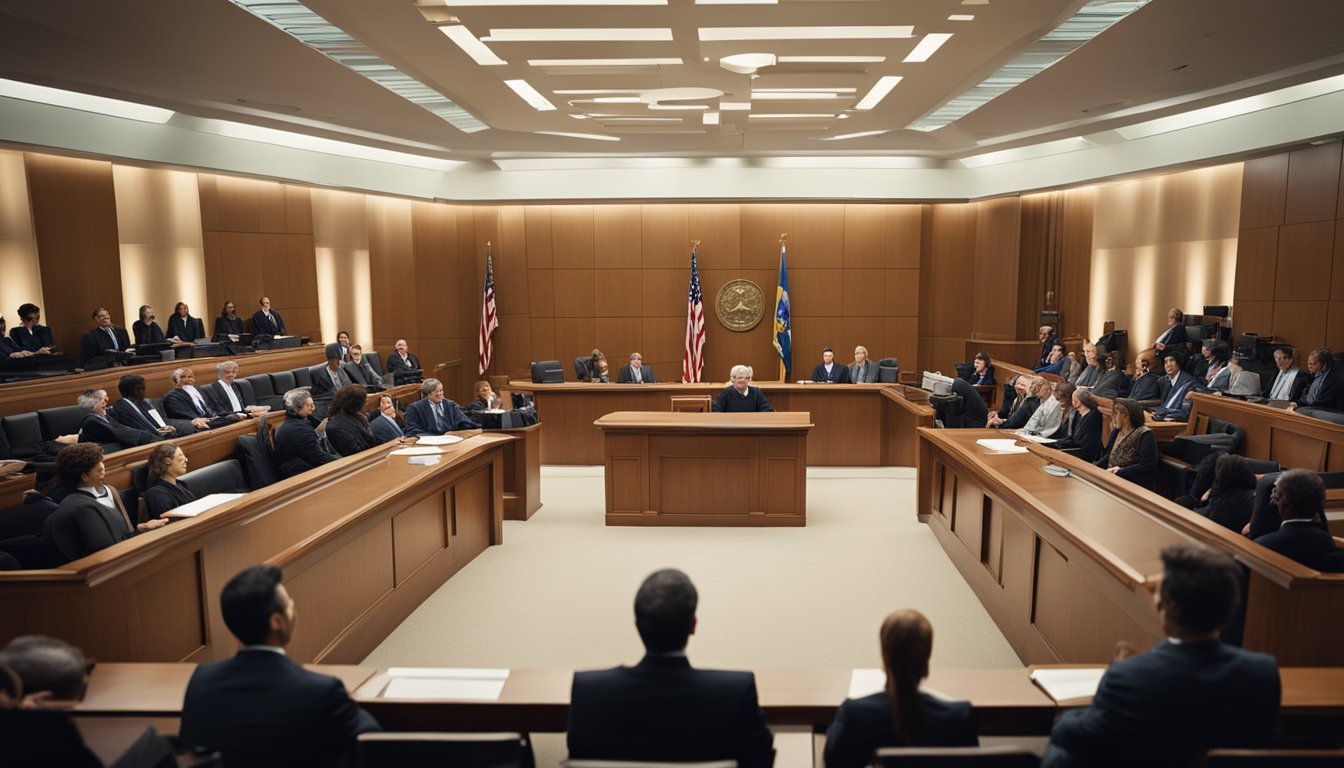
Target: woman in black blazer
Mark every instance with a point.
(900, 716)
(1131, 452)
(1231, 500)
(145, 330)
(348, 428)
(166, 464)
(182, 326)
(1084, 440)
(228, 322)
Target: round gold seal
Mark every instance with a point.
(740, 305)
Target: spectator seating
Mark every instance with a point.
(463, 750)
(956, 757)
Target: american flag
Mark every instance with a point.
(693, 362)
(489, 320)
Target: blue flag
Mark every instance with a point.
(783, 332)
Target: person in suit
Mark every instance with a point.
(1082, 430)
(1046, 335)
(1290, 382)
(1174, 337)
(185, 401)
(1300, 496)
(1089, 373)
(15, 356)
(900, 715)
(664, 709)
(1190, 693)
(225, 396)
(1325, 392)
(1014, 396)
(360, 370)
(1112, 382)
(1056, 361)
(266, 321)
(29, 333)
(739, 396)
(1131, 451)
(348, 429)
(484, 398)
(343, 341)
(1055, 402)
(104, 337)
(1147, 386)
(229, 323)
(863, 370)
(182, 326)
(636, 372)
(1172, 390)
(166, 463)
(330, 378)
(96, 427)
(297, 447)
(974, 412)
(386, 423)
(135, 411)
(1029, 401)
(260, 708)
(982, 371)
(435, 414)
(403, 366)
(91, 518)
(1230, 499)
(829, 371)
(1217, 370)
(146, 330)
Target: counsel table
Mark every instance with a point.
(666, 468)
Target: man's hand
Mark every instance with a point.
(201, 423)
(151, 525)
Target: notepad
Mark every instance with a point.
(438, 440)
(203, 504)
(1002, 445)
(865, 682)
(1025, 435)
(1065, 683)
(469, 684)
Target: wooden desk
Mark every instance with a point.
(1164, 431)
(1069, 566)
(667, 468)
(1276, 434)
(522, 472)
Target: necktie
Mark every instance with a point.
(1281, 387)
(1315, 391)
(194, 401)
(114, 338)
(438, 416)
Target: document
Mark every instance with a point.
(1065, 683)
(445, 683)
(1008, 445)
(416, 450)
(439, 440)
(865, 682)
(194, 508)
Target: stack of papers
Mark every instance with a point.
(1065, 683)
(865, 682)
(416, 450)
(1002, 445)
(1025, 435)
(438, 440)
(194, 508)
(445, 683)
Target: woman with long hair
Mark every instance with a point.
(901, 715)
(1131, 452)
(1231, 500)
(348, 428)
(163, 492)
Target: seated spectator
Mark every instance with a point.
(1131, 451)
(829, 371)
(166, 462)
(1173, 391)
(901, 715)
(348, 429)
(224, 396)
(297, 447)
(98, 428)
(1020, 415)
(982, 370)
(1174, 337)
(1302, 536)
(435, 414)
(739, 396)
(135, 411)
(183, 327)
(1190, 693)
(1325, 392)
(103, 338)
(14, 359)
(1147, 386)
(38, 504)
(260, 708)
(402, 366)
(636, 372)
(485, 398)
(29, 333)
(974, 413)
(1014, 396)
(1055, 360)
(1112, 382)
(329, 379)
(344, 345)
(1230, 501)
(361, 371)
(663, 709)
(863, 370)
(229, 325)
(146, 330)
(1054, 406)
(92, 517)
(1089, 372)
(1082, 429)
(1217, 374)
(1046, 335)
(266, 321)
(387, 424)
(1290, 382)
(184, 401)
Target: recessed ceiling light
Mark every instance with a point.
(710, 118)
(735, 106)
(603, 62)
(878, 92)
(805, 90)
(478, 51)
(84, 102)
(596, 91)
(927, 46)
(530, 95)
(747, 63)
(859, 135)
(641, 119)
(794, 116)
(797, 96)
(684, 107)
(636, 34)
(961, 17)
(832, 59)
(589, 136)
(710, 34)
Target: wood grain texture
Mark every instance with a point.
(1313, 184)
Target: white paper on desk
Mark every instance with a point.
(439, 440)
(1065, 683)
(194, 508)
(416, 450)
(1025, 435)
(458, 673)
(437, 688)
(864, 682)
(1001, 445)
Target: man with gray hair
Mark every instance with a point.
(185, 401)
(225, 396)
(297, 446)
(434, 414)
(740, 396)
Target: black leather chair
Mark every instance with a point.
(282, 382)
(63, 420)
(220, 477)
(303, 377)
(1265, 516)
(24, 433)
(28, 549)
(581, 372)
(956, 757)
(548, 372)
(888, 369)
(263, 389)
(1272, 758)
(257, 464)
(461, 750)
(376, 362)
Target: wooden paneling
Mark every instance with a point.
(1264, 188)
(1313, 184)
(418, 533)
(572, 236)
(617, 233)
(997, 234)
(1257, 264)
(1305, 255)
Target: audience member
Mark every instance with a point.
(663, 709)
(361, 371)
(1230, 501)
(29, 333)
(635, 372)
(1172, 391)
(739, 396)
(829, 371)
(1217, 373)
(1174, 337)
(1054, 406)
(343, 343)
(1300, 496)
(16, 359)
(1055, 360)
(229, 323)
(182, 326)
(1046, 335)
(1325, 392)
(1147, 386)
(434, 414)
(260, 708)
(1112, 382)
(1082, 430)
(92, 517)
(348, 428)
(1015, 395)
(265, 321)
(863, 370)
(1089, 372)
(982, 370)
(1190, 693)
(1020, 415)
(1290, 382)
(1131, 451)
(329, 379)
(297, 447)
(901, 715)
(146, 330)
(387, 424)
(185, 401)
(104, 337)
(483, 399)
(135, 411)
(166, 462)
(225, 396)
(96, 427)
(402, 366)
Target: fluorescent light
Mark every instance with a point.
(589, 136)
(1233, 108)
(878, 92)
(794, 116)
(859, 135)
(961, 17)
(328, 146)
(832, 59)
(719, 34)
(640, 119)
(604, 62)
(735, 106)
(710, 118)
(596, 91)
(84, 102)
(796, 96)
(636, 34)
(805, 90)
(747, 63)
(478, 51)
(504, 3)
(613, 100)
(684, 107)
(927, 46)
(529, 94)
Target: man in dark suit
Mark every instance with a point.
(1290, 382)
(740, 396)
(435, 414)
(830, 371)
(30, 334)
(403, 366)
(260, 708)
(331, 378)
(1325, 392)
(185, 401)
(96, 427)
(384, 423)
(266, 321)
(297, 447)
(103, 338)
(1172, 390)
(224, 395)
(360, 370)
(663, 709)
(1174, 337)
(1300, 496)
(134, 411)
(636, 372)
(1147, 385)
(1190, 693)
(1048, 339)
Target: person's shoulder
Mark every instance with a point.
(873, 706)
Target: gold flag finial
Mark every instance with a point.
(488, 244)
(695, 243)
(783, 236)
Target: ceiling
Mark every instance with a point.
(214, 59)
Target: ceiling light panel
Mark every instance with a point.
(84, 102)
(588, 136)
(665, 62)
(478, 51)
(832, 59)
(584, 35)
(720, 34)
(848, 136)
(531, 95)
(878, 92)
(927, 47)
(510, 3)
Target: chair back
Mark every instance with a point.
(956, 757)
(581, 372)
(548, 372)
(249, 392)
(221, 477)
(888, 370)
(1272, 758)
(461, 750)
(60, 421)
(256, 463)
(24, 433)
(375, 361)
(282, 382)
(639, 764)
(303, 377)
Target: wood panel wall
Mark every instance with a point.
(18, 247)
(1290, 252)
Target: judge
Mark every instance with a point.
(146, 329)
(636, 372)
(182, 326)
(98, 428)
(739, 396)
(830, 371)
(266, 321)
(229, 323)
(104, 337)
(403, 366)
